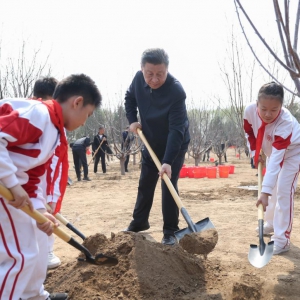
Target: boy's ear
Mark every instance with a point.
(78, 101)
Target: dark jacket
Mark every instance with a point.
(97, 141)
(163, 115)
(82, 143)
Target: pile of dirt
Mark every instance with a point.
(146, 270)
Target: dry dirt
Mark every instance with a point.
(102, 208)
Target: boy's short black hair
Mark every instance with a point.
(78, 85)
(155, 56)
(44, 87)
(272, 89)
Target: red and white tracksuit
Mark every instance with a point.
(28, 139)
(281, 145)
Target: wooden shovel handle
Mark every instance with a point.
(95, 152)
(158, 165)
(260, 179)
(40, 218)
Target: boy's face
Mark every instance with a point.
(75, 114)
(268, 108)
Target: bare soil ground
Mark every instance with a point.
(102, 208)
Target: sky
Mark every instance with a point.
(105, 39)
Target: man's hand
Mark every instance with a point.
(264, 200)
(134, 126)
(21, 198)
(165, 168)
(47, 227)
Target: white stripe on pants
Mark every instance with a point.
(23, 256)
(280, 211)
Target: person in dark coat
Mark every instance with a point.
(160, 100)
(79, 149)
(126, 145)
(99, 151)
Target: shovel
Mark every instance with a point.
(202, 225)
(63, 220)
(260, 255)
(99, 259)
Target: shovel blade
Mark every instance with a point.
(258, 258)
(102, 259)
(202, 225)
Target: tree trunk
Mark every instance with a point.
(122, 164)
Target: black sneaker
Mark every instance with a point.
(86, 179)
(78, 179)
(137, 228)
(169, 239)
(58, 296)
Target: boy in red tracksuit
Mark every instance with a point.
(43, 89)
(272, 128)
(30, 131)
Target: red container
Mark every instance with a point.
(231, 169)
(199, 172)
(211, 172)
(191, 172)
(223, 171)
(237, 155)
(211, 159)
(88, 151)
(183, 172)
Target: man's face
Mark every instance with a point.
(155, 75)
(101, 131)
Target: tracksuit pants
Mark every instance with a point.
(280, 211)
(23, 256)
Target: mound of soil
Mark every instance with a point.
(146, 270)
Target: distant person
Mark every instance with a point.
(99, 148)
(271, 127)
(223, 149)
(79, 149)
(25, 155)
(160, 100)
(207, 146)
(126, 146)
(43, 89)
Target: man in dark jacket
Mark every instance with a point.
(126, 146)
(99, 147)
(160, 100)
(79, 149)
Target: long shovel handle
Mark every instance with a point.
(260, 178)
(158, 165)
(66, 222)
(40, 218)
(96, 152)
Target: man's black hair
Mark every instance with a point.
(78, 85)
(44, 87)
(155, 56)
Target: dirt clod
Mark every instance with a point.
(200, 242)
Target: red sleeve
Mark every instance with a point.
(251, 137)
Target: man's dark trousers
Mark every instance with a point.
(100, 154)
(79, 157)
(148, 180)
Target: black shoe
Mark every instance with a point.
(58, 296)
(78, 179)
(126, 171)
(137, 228)
(86, 179)
(169, 239)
